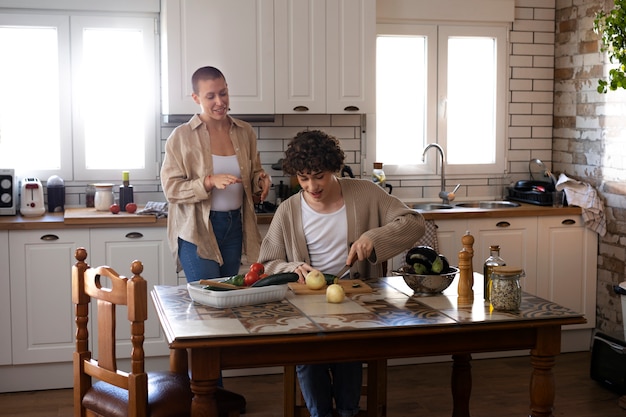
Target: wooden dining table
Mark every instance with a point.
(388, 322)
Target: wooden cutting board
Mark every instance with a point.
(89, 215)
(347, 284)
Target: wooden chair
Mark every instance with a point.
(118, 393)
(375, 392)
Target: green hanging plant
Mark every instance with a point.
(612, 28)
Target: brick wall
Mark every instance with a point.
(590, 138)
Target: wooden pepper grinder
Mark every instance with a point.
(466, 275)
(468, 244)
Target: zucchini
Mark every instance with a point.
(276, 279)
(330, 279)
(215, 288)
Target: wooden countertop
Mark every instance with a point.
(77, 218)
(81, 217)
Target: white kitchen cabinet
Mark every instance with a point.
(449, 235)
(236, 36)
(41, 309)
(5, 301)
(517, 237)
(42, 313)
(325, 56)
(567, 255)
(118, 248)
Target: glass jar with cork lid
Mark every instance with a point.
(506, 288)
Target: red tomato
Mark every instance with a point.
(250, 278)
(115, 208)
(131, 208)
(258, 268)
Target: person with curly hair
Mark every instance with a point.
(330, 223)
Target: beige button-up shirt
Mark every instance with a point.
(188, 160)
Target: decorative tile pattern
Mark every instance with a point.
(389, 305)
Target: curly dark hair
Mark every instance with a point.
(313, 151)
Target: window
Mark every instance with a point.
(79, 96)
(443, 84)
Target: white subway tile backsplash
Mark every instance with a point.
(533, 73)
(314, 120)
(532, 120)
(520, 108)
(533, 49)
(542, 132)
(532, 96)
(534, 25)
(543, 85)
(543, 108)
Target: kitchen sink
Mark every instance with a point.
(431, 206)
(489, 204)
(469, 204)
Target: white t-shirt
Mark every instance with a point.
(326, 238)
(231, 197)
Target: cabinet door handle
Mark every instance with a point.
(503, 224)
(301, 108)
(568, 222)
(134, 235)
(49, 238)
(351, 108)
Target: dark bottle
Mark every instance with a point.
(491, 262)
(126, 191)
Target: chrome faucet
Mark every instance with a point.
(445, 196)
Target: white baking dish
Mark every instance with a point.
(235, 298)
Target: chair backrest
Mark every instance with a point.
(87, 284)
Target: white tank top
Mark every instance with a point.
(326, 238)
(231, 197)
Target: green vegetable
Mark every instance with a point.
(330, 279)
(437, 265)
(425, 253)
(237, 280)
(420, 269)
(276, 279)
(214, 288)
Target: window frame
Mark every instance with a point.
(436, 124)
(151, 115)
(62, 24)
(72, 144)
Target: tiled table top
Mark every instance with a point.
(391, 304)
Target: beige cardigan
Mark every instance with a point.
(187, 161)
(388, 222)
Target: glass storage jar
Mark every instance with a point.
(90, 196)
(506, 288)
(104, 196)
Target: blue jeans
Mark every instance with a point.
(228, 231)
(320, 383)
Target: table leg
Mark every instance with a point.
(542, 359)
(461, 384)
(178, 361)
(205, 372)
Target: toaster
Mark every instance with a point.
(31, 198)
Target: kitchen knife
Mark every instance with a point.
(343, 271)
